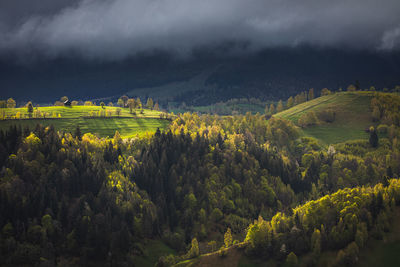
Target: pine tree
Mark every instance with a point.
(228, 238)
(373, 137)
(279, 107)
(266, 109)
(150, 103)
(290, 102)
(311, 94)
(194, 250)
(291, 260)
(30, 109)
(316, 242)
(78, 133)
(272, 109)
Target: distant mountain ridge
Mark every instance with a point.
(269, 74)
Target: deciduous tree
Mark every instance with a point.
(351, 88)
(325, 91)
(124, 99)
(120, 102)
(11, 103)
(131, 104)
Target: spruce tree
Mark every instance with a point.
(373, 137)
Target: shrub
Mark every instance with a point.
(308, 119)
(327, 115)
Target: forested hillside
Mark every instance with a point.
(204, 184)
(206, 77)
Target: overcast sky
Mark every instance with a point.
(116, 29)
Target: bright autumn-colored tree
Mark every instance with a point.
(228, 238)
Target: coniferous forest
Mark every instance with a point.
(205, 185)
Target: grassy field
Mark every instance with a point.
(82, 111)
(353, 116)
(127, 124)
(154, 249)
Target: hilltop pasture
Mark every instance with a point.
(86, 117)
(352, 116)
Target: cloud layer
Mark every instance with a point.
(116, 29)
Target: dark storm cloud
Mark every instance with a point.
(115, 29)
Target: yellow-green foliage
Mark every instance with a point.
(194, 249)
(338, 117)
(353, 208)
(32, 140)
(308, 119)
(236, 129)
(228, 238)
(386, 108)
(93, 119)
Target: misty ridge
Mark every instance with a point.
(270, 74)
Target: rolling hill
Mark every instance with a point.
(89, 121)
(352, 116)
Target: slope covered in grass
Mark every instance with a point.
(152, 251)
(82, 111)
(70, 117)
(353, 116)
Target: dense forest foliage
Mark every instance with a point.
(83, 200)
